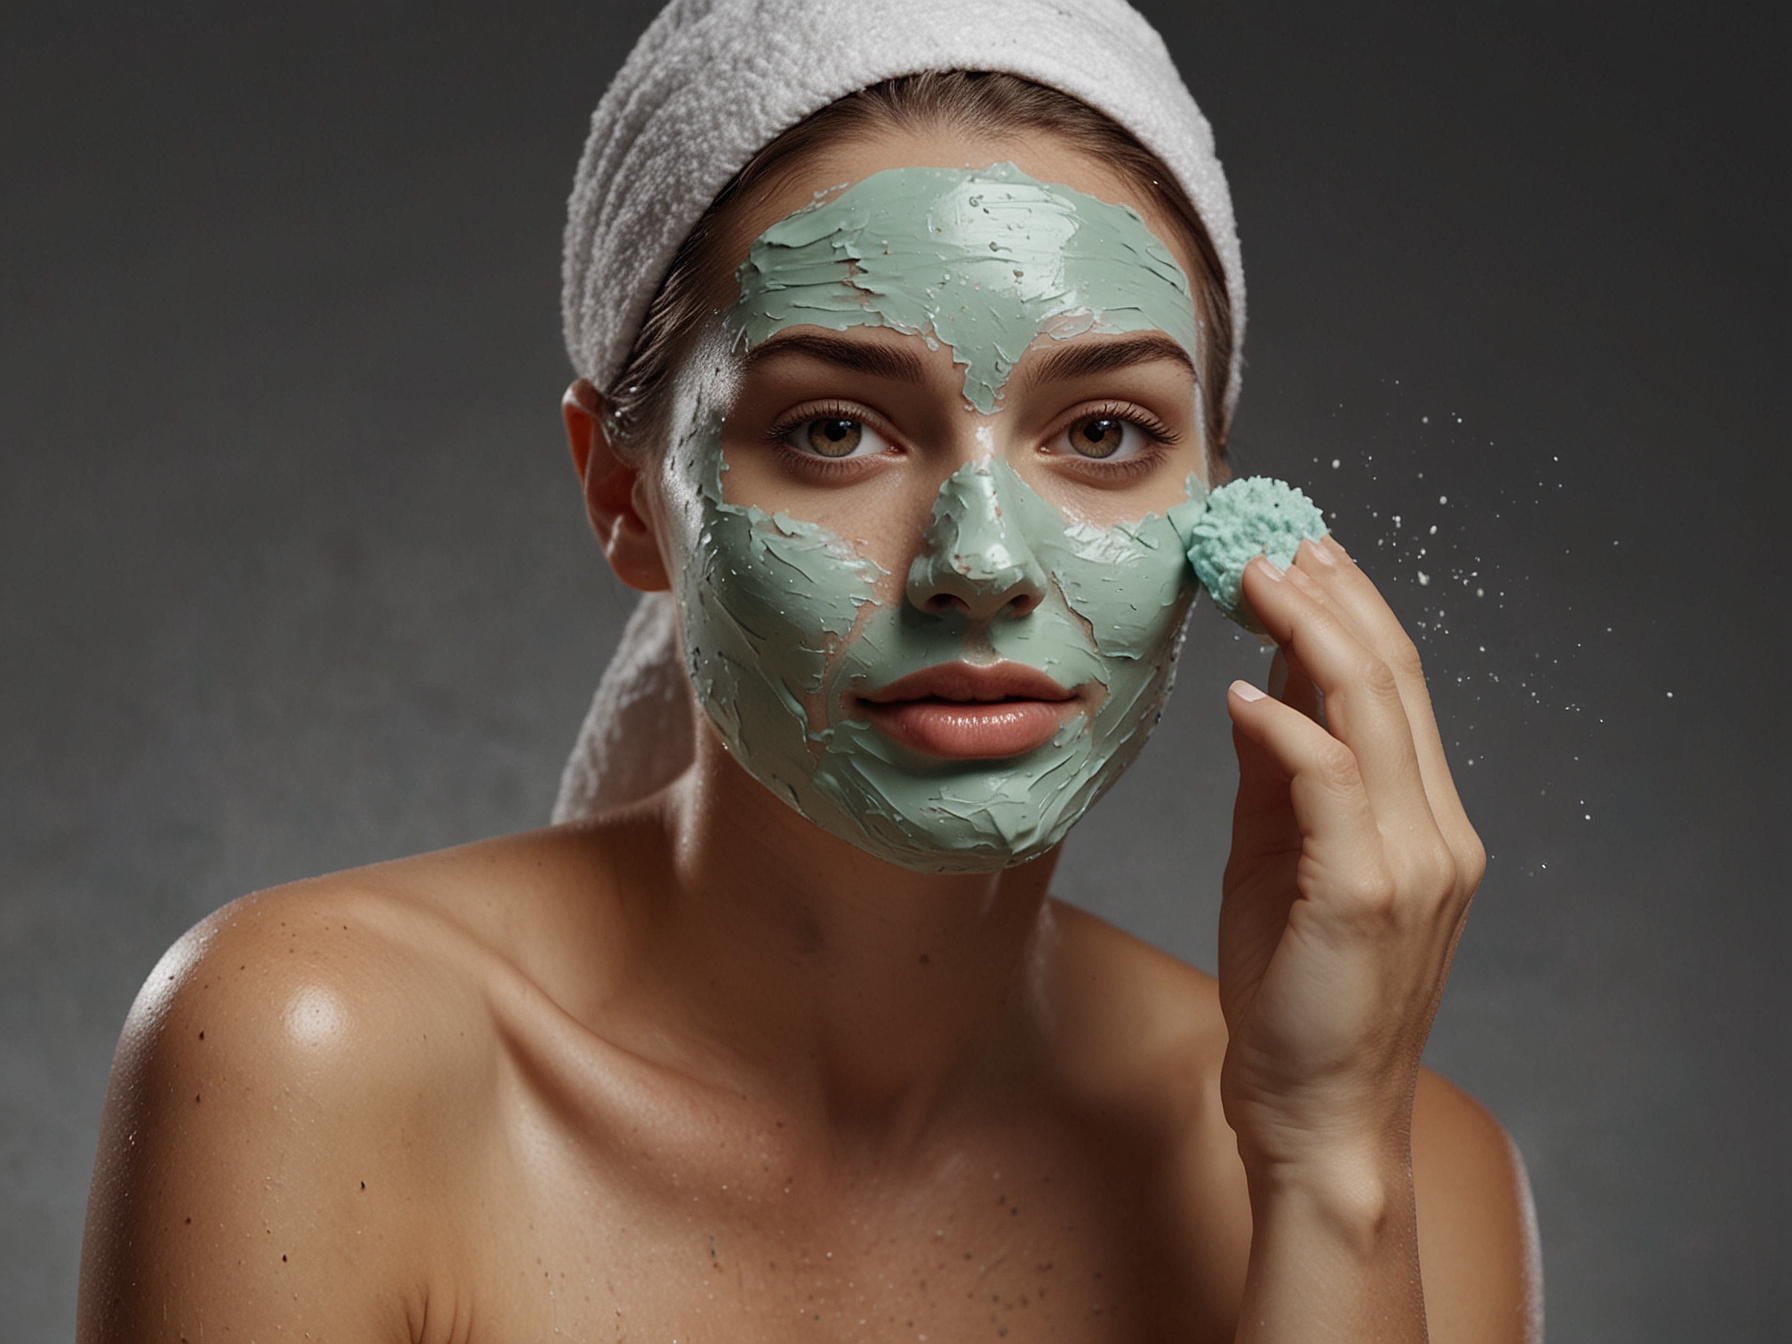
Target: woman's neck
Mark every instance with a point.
(859, 988)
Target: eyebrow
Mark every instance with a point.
(877, 360)
(1087, 359)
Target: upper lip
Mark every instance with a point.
(969, 683)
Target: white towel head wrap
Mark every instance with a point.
(712, 82)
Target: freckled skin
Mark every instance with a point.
(609, 1168)
(701, 1070)
(504, 1138)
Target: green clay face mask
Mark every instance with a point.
(984, 262)
(782, 619)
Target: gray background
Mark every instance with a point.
(295, 576)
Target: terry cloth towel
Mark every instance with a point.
(708, 85)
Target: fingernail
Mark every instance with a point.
(1246, 692)
(1269, 566)
(1321, 553)
(1331, 542)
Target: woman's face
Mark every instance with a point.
(924, 491)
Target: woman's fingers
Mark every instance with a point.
(1363, 706)
(1362, 606)
(1263, 825)
(1287, 756)
(1289, 683)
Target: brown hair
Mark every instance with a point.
(981, 102)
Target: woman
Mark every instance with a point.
(912, 430)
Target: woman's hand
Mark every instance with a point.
(1351, 870)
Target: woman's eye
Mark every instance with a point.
(835, 437)
(1106, 438)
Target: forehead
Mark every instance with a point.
(827, 168)
(986, 260)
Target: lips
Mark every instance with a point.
(960, 711)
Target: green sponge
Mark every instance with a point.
(1243, 519)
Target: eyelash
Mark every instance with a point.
(1160, 434)
(813, 463)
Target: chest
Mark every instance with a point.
(1035, 1234)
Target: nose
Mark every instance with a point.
(974, 555)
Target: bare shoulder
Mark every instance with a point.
(1142, 1041)
(1140, 1035)
(294, 1077)
(1478, 1247)
(1133, 1015)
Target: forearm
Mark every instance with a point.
(1334, 1255)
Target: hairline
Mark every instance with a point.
(700, 270)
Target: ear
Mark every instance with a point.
(615, 493)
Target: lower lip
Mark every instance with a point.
(971, 731)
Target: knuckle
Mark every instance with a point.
(1335, 766)
(1373, 900)
(1377, 678)
(1363, 892)
(1472, 862)
(1419, 848)
(1422, 884)
(1403, 655)
(1435, 874)
(1437, 862)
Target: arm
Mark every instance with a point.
(268, 1109)
(1351, 871)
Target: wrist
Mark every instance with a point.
(1335, 1134)
(1334, 1250)
(1360, 1192)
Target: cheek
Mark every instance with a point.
(1110, 508)
(1130, 586)
(880, 516)
(773, 597)
(1132, 595)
